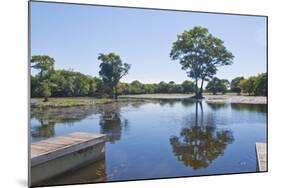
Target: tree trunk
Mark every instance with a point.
(112, 92)
(201, 89)
(196, 88)
(196, 113)
(115, 93)
(45, 99)
(201, 117)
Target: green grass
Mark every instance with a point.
(82, 101)
(74, 101)
(67, 102)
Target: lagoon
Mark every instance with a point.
(159, 138)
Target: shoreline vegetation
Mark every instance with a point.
(90, 101)
(224, 98)
(63, 102)
(199, 53)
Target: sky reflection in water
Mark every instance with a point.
(161, 138)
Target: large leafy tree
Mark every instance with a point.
(200, 54)
(260, 87)
(43, 63)
(136, 87)
(163, 87)
(255, 85)
(248, 85)
(112, 69)
(44, 90)
(226, 83)
(216, 85)
(188, 86)
(234, 85)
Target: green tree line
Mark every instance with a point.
(254, 85)
(198, 51)
(68, 83)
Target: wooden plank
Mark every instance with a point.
(261, 150)
(52, 148)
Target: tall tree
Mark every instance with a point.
(136, 87)
(216, 85)
(248, 85)
(112, 69)
(188, 86)
(260, 87)
(200, 54)
(226, 83)
(45, 90)
(234, 85)
(43, 63)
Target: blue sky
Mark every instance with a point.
(75, 34)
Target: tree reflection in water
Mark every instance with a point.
(49, 117)
(249, 107)
(201, 143)
(65, 115)
(110, 119)
(217, 105)
(46, 129)
(111, 123)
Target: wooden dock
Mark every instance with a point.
(55, 156)
(261, 150)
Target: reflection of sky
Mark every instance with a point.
(74, 35)
(144, 149)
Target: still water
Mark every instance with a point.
(160, 138)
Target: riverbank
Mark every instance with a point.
(75, 101)
(88, 101)
(227, 98)
(66, 102)
(237, 99)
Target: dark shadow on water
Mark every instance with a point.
(217, 105)
(200, 143)
(94, 172)
(250, 107)
(172, 102)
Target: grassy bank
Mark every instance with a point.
(66, 102)
(228, 97)
(83, 101)
(74, 101)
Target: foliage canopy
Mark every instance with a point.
(112, 69)
(200, 54)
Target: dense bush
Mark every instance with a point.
(68, 83)
(217, 85)
(62, 83)
(234, 85)
(255, 85)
